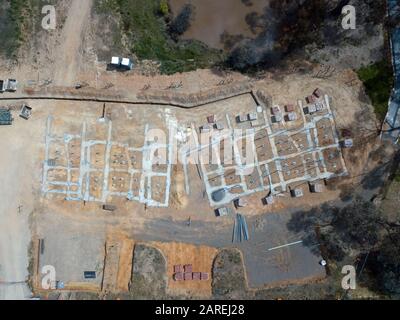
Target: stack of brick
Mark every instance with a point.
(186, 273)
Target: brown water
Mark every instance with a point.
(214, 17)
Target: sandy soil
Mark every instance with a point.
(17, 194)
(68, 54)
(200, 257)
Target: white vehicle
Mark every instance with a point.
(122, 63)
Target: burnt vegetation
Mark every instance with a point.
(182, 21)
(361, 232)
(286, 27)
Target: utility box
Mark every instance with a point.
(268, 200)
(220, 212)
(297, 193)
(275, 110)
(316, 188)
(89, 274)
(252, 116)
(5, 117)
(291, 116)
(26, 112)
(109, 207)
(11, 85)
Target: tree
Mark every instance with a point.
(182, 22)
(387, 265)
(358, 225)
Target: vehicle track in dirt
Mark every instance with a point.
(68, 55)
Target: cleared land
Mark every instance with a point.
(64, 164)
(82, 163)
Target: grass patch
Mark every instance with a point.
(397, 175)
(228, 275)
(149, 274)
(17, 24)
(378, 82)
(145, 24)
(12, 20)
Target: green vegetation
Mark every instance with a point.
(229, 280)
(12, 21)
(145, 25)
(376, 237)
(164, 8)
(397, 175)
(16, 23)
(378, 81)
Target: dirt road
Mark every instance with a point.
(68, 57)
(15, 206)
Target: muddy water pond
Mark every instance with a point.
(214, 17)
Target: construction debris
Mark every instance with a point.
(317, 93)
(186, 273)
(290, 108)
(241, 118)
(211, 119)
(310, 99)
(276, 110)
